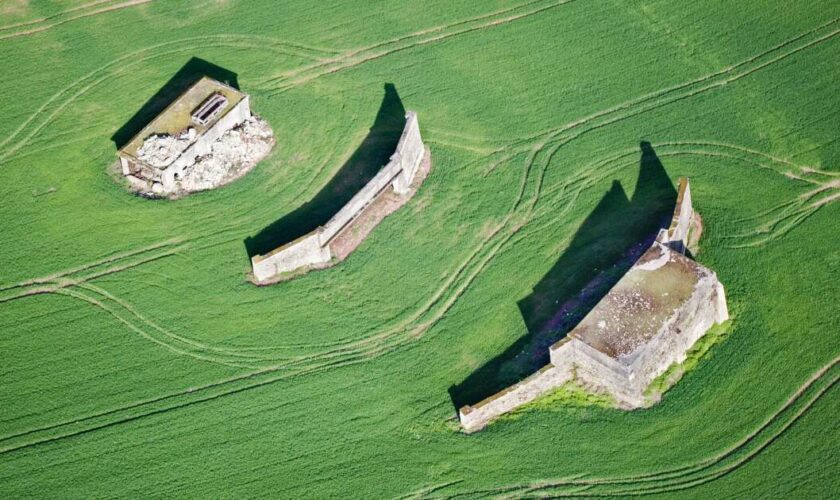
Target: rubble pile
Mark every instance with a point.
(231, 156)
(160, 150)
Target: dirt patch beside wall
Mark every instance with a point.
(385, 203)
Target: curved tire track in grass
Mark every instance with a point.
(120, 65)
(694, 474)
(183, 351)
(355, 57)
(63, 17)
(772, 224)
(364, 349)
(653, 100)
(85, 272)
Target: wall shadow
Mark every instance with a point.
(183, 79)
(373, 153)
(606, 245)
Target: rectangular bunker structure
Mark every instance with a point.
(195, 120)
(644, 324)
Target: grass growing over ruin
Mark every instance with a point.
(137, 360)
(570, 395)
(660, 385)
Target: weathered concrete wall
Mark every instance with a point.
(398, 173)
(359, 201)
(550, 377)
(677, 335)
(409, 152)
(601, 373)
(305, 251)
(204, 143)
(682, 218)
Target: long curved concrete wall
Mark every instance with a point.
(313, 249)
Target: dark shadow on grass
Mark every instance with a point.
(372, 154)
(183, 79)
(608, 242)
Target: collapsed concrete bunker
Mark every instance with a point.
(341, 234)
(205, 138)
(645, 323)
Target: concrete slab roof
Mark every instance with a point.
(634, 310)
(177, 117)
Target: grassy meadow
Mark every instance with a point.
(136, 360)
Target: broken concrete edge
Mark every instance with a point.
(288, 276)
(677, 232)
(314, 248)
(564, 368)
(673, 374)
(149, 128)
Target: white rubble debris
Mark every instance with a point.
(160, 150)
(231, 156)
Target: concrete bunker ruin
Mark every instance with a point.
(205, 138)
(333, 241)
(646, 322)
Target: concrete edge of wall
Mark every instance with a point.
(677, 233)
(284, 262)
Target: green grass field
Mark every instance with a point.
(138, 361)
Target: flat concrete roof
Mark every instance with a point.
(635, 309)
(177, 117)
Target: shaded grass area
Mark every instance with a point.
(606, 245)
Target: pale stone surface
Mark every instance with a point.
(683, 218)
(547, 379)
(232, 155)
(305, 251)
(399, 173)
(645, 323)
(161, 150)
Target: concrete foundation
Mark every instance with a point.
(146, 176)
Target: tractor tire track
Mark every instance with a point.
(59, 21)
(746, 67)
(680, 477)
(357, 57)
(374, 346)
(75, 293)
(122, 65)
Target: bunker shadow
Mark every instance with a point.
(372, 154)
(606, 245)
(183, 79)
